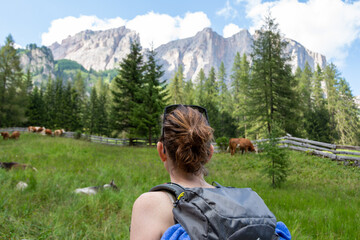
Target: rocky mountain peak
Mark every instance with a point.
(99, 50)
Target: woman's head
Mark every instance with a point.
(187, 138)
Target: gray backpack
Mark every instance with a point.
(221, 213)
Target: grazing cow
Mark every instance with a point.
(30, 128)
(5, 135)
(59, 132)
(40, 129)
(94, 190)
(15, 165)
(15, 135)
(48, 132)
(242, 143)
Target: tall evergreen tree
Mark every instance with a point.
(344, 119)
(176, 87)
(240, 91)
(331, 76)
(347, 115)
(127, 94)
(271, 83)
(49, 104)
(304, 92)
(36, 108)
(94, 109)
(13, 95)
(103, 109)
(226, 122)
(189, 93)
(200, 87)
(154, 98)
(211, 93)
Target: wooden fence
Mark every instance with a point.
(328, 150)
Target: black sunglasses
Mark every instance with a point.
(171, 108)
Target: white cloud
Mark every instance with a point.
(228, 11)
(63, 27)
(230, 30)
(153, 28)
(17, 46)
(325, 26)
(161, 28)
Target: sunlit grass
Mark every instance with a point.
(320, 200)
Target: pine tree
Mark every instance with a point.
(189, 93)
(35, 112)
(176, 87)
(344, 119)
(127, 94)
(49, 104)
(154, 96)
(94, 121)
(211, 93)
(200, 88)
(331, 76)
(271, 82)
(226, 122)
(304, 92)
(240, 91)
(317, 125)
(347, 116)
(103, 109)
(13, 95)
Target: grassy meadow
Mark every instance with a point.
(320, 200)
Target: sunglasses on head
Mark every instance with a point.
(169, 109)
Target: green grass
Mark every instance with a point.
(320, 200)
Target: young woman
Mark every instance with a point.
(185, 147)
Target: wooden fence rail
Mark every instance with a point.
(327, 150)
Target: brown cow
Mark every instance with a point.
(5, 135)
(59, 132)
(15, 135)
(242, 143)
(15, 165)
(48, 132)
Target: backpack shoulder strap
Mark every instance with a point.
(175, 189)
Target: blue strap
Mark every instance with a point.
(177, 232)
(282, 231)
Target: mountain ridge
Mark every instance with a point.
(103, 50)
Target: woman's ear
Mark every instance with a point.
(161, 151)
(211, 151)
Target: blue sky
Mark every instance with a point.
(330, 27)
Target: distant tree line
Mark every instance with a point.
(252, 102)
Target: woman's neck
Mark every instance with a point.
(189, 180)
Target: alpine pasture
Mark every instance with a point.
(320, 200)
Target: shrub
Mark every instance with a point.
(77, 134)
(223, 143)
(277, 166)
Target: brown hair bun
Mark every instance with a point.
(187, 139)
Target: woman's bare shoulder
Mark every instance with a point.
(151, 216)
(149, 199)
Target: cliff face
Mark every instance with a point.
(99, 50)
(102, 50)
(40, 62)
(207, 49)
